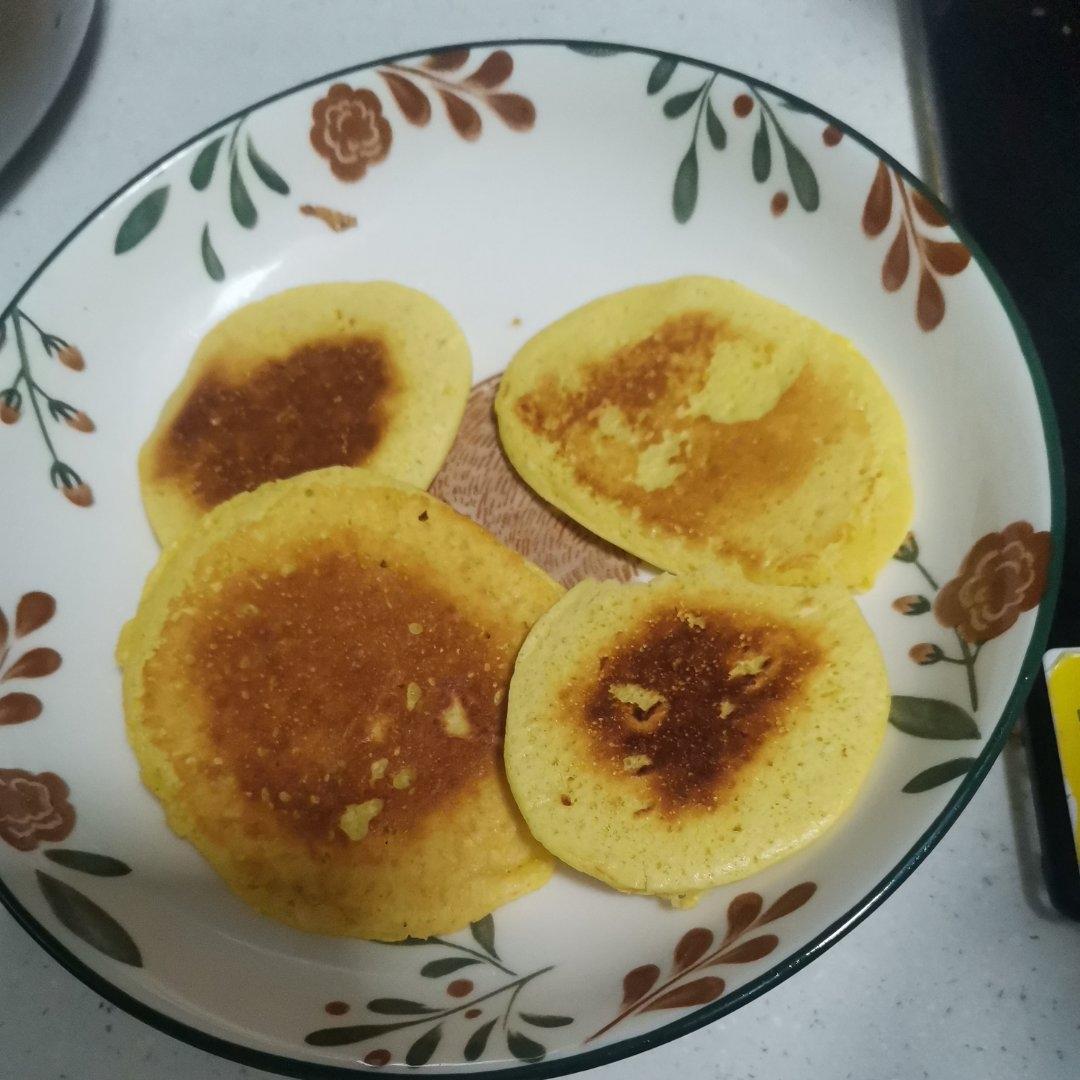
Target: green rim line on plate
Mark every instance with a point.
(314, 1070)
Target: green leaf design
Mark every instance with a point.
(353, 1033)
(545, 1020)
(420, 1052)
(142, 220)
(86, 920)
(202, 172)
(684, 194)
(483, 932)
(478, 1040)
(937, 775)
(87, 862)
(930, 718)
(210, 257)
(409, 941)
(399, 1007)
(681, 103)
(661, 74)
(912, 605)
(908, 551)
(265, 171)
(717, 134)
(803, 180)
(761, 155)
(242, 207)
(435, 969)
(524, 1048)
(587, 48)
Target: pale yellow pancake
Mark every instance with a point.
(669, 737)
(699, 425)
(371, 374)
(314, 685)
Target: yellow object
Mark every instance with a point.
(699, 425)
(264, 691)
(1063, 684)
(356, 819)
(644, 750)
(371, 374)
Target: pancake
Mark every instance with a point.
(314, 686)
(672, 736)
(699, 425)
(370, 374)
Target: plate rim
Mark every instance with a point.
(707, 1014)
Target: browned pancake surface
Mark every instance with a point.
(687, 698)
(324, 404)
(718, 468)
(307, 685)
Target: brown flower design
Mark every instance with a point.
(913, 604)
(71, 357)
(334, 220)
(926, 653)
(25, 389)
(1002, 576)
(32, 612)
(34, 808)
(484, 86)
(698, 949)
(936, 258)
(349, 130)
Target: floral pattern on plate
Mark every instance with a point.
(706, 117)
(242, 163)
(350, 130)
(937, 258)
(24, 388)
(1003, 575)
(511, 1021)
(35, 808)
(698, 949)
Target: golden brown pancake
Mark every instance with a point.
(671, 736)
(699, 425)
(370, 374)
(314, 685)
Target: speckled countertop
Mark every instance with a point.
(965, 972)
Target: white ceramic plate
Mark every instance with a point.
(512, 182)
